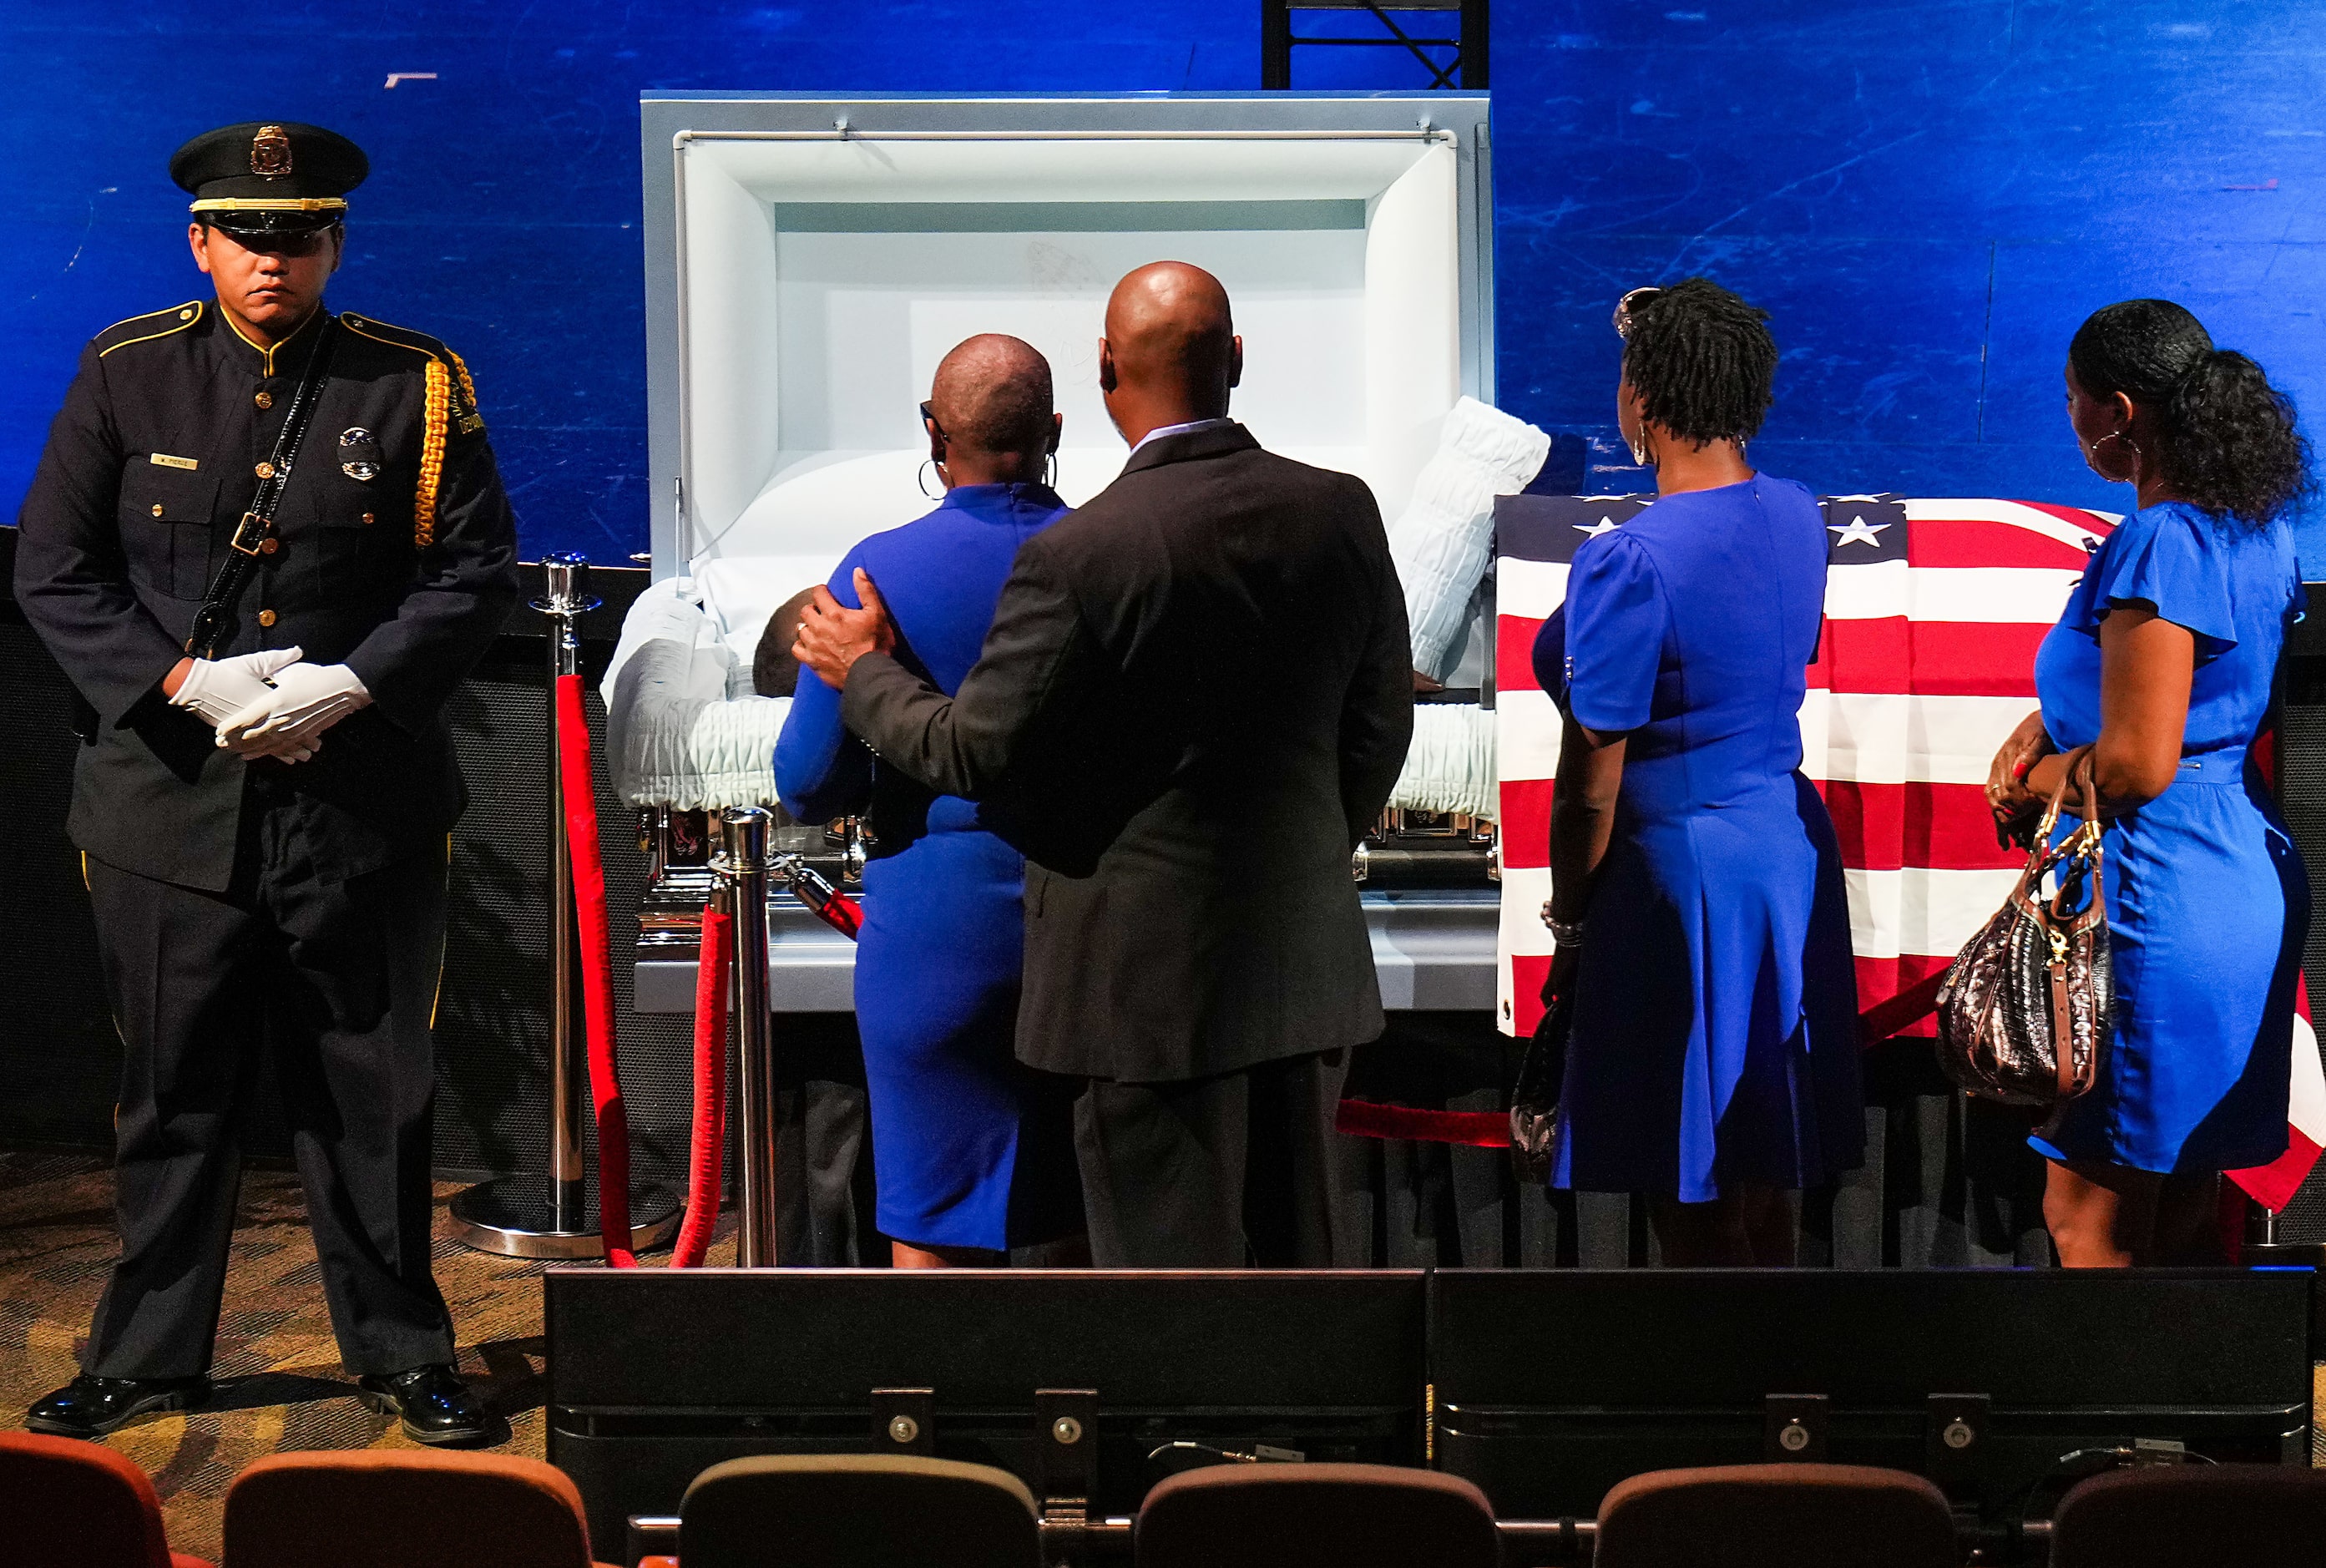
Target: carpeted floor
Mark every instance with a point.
(280, 1385)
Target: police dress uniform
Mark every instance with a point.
(240, 900)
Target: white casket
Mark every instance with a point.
(809, 260)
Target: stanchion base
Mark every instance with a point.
(514, 1216)
(2283, 1254)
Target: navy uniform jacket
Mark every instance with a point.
(404, 576)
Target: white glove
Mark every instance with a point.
(215, 690)
(307, 699)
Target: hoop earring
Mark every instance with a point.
(2092, 463)
(1050, 470)
(927, 462)
(1639, 452)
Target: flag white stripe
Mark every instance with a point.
(1527, 729)
(1886, 738)
(1529, 589)
(1921, 909)
(1978, 509)
(1884, 590)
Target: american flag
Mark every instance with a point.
(1926, 660)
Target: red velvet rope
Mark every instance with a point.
(580, 791)
(1492, 1129)
(709, 1142)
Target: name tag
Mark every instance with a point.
(164, 460)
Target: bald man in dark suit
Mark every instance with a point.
(1194, 698)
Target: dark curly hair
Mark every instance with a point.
(2229, 443)
(1702, 361)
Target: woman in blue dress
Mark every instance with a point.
(2163, 663)
(1697, 896)
(972, 1153)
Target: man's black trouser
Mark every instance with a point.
(1228, 1171)
(338, 977)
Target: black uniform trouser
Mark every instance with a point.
(340, 978)
(1229, 1171)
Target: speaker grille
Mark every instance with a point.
(2302, 797)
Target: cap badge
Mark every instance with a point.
(359, 454)
(270, 151)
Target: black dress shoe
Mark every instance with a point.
(91, 1406)
(437, 1407)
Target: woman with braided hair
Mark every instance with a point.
(2163, 664)
(1713, 1062)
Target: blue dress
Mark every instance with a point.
(1716, 1005)
(2208, 902)
(969, 1148)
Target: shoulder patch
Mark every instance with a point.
(147, 327)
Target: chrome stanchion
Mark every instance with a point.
(743, 864)
(555, 1216)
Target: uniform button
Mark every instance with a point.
(187, 314)
(157, 509)
(367, 517)
(266, 618)
(264, 399)
(264, 470)
(268, 547)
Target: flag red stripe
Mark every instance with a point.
(1975, 542)
(1526, 822)
(1891, 826)
(1879, 979)
(1960, 658)
(1514, 638)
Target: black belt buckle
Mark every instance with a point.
(252, 526)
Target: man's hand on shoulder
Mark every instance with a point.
(832, 637)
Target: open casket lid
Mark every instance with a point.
(810, 259)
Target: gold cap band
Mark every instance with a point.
(270, 204)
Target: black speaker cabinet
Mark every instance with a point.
(2302, 792)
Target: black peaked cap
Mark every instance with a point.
(269, 176)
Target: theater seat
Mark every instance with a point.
(857, 1511)
(1285, 1516)
(399, 1508)
(79, 1504)
(2265, 1515)
(1803, 1516)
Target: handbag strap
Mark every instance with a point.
(257, 523)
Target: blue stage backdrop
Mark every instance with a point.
(1926, 197)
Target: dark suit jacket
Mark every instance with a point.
(1194, 699)
(147, 469)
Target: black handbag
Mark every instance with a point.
(1534, 1097)
(2024, 1011)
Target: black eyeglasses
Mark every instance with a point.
(927, 414)
(1623, 311)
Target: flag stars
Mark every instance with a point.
(1604, 526)
(1857, 531)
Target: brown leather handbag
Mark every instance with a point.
(2024, 1013)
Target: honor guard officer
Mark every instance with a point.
(266, 543)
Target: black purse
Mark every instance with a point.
(2025, 1009)
(1534, 1097)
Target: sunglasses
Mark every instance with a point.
(1623, 310)
(928, 414)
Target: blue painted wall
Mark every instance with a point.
(1927, 196)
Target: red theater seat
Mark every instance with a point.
(2268, 1515)
(1802, 1516)
(857, 1511)
(395, 1508)
(80, 1504)
(1285, 1516)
